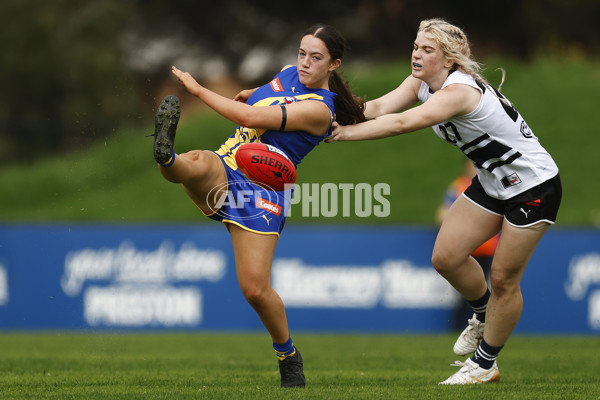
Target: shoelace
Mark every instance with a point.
(458, 377)
(470, 331)
(462, 364)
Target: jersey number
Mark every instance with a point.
(454, 136)
(450, 137)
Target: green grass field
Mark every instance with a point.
(243, 366)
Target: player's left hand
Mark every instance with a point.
(337, 133)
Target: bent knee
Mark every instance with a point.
(502, 285)
(445, 261)
(203, 164)
(198, 157)
(254, 295)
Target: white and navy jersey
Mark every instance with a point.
(508, 156)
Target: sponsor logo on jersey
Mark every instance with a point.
(276, 85)
(511, 180)
(290, 100)
(268, 206)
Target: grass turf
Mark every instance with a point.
(236, 366)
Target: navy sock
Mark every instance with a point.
(485, 355)
(171, 160)
(285, 349)
(479, 306)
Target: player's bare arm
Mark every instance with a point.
(446, 103)
(398, 100)
(310, 116)
(235, 111)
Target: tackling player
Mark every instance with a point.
(517, 189)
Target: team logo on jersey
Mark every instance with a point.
(525, 130)
(276, 85)
(511, 180)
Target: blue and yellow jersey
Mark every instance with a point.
(285, 88)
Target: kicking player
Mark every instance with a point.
(279, 114)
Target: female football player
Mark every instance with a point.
(293, 112)
(517, 188)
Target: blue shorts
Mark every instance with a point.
(250, 206)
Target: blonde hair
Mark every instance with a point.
(454, 44)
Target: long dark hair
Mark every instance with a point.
(349, 108)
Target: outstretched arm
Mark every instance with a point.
(398, 100)
(310, 116)
(235, 111)
(381, 113)
(446, 103)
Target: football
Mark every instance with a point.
(266, 165)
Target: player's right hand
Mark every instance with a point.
(243, 96)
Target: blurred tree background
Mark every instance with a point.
(76, 71)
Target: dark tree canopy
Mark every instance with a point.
(75, 70)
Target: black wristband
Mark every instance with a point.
(283, 117)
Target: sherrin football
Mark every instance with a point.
(266, 165)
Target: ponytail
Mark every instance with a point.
(349, 108)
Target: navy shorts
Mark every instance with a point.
(538, 204)
(250, 206)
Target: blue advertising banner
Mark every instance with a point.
(331, 278)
